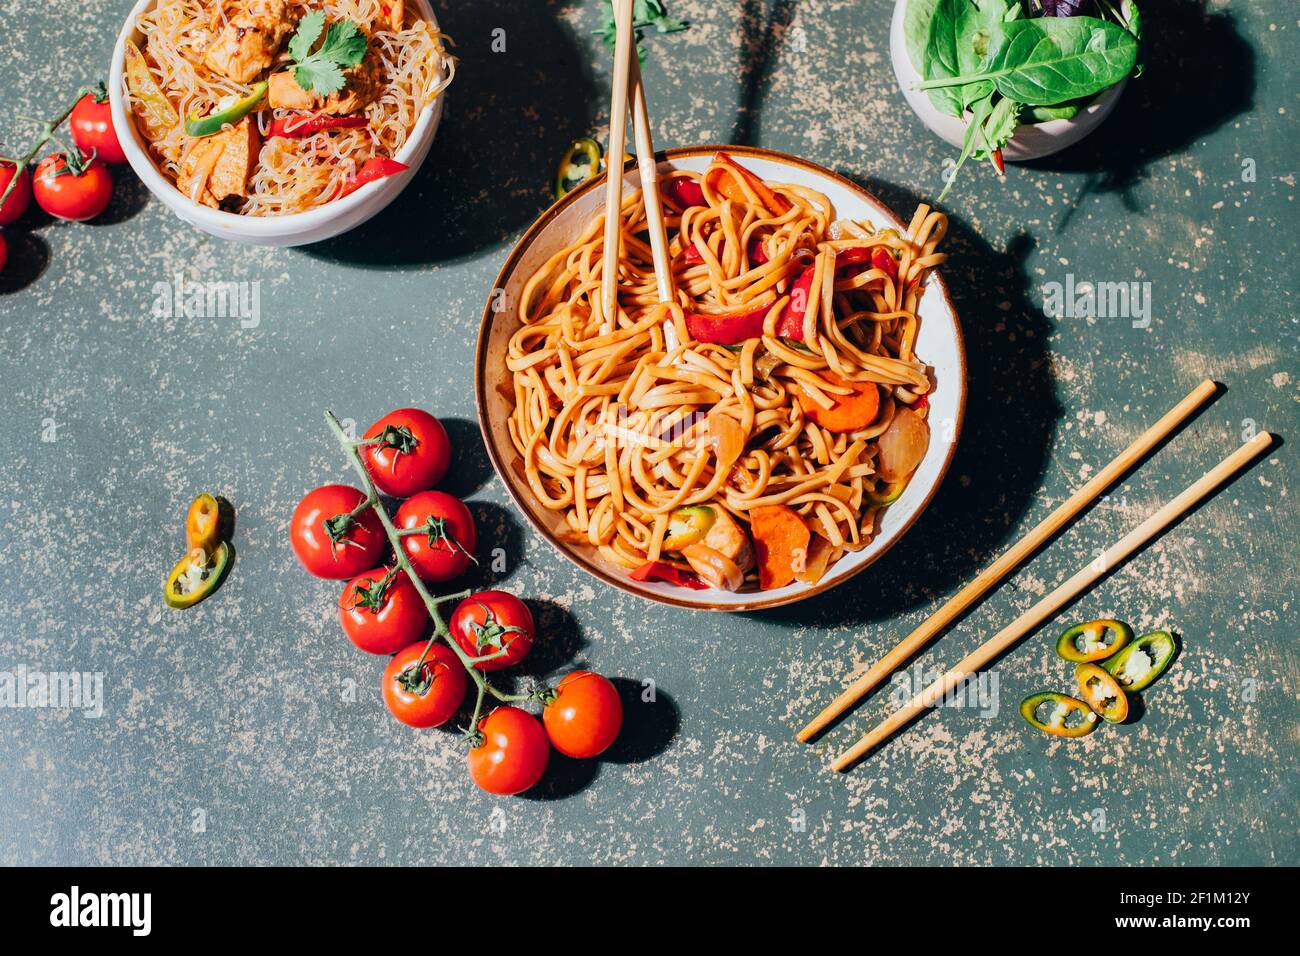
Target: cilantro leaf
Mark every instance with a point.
(321, 72)
(310, 28)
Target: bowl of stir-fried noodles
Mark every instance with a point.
(762, 437)
(278, 122)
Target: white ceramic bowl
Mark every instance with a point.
(1029, 142)
(939, 344)
(292, 230)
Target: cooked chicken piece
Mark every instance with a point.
(728, 538)
(364, 84)
(219, 166)
(285, 93)
(251, 38)
(238, 158)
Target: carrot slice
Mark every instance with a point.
(724, 174)
(851, 412)
(780, 544)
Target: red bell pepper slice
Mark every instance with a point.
(883, 259)
(372, 170)
(775, 203)
(848, 263)
(295, 127)
(790, 325)
(682, 192)
(662, 571)
(692, 254)
(728, 328)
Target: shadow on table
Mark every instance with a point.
(1002, 453)
(470, 468)
(649, 725)
(1199, 74)
(763, 37)
(29, 257)
(509, 116)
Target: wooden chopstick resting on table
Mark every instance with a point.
(1009, 560)
(1110, 559)
(623, 53)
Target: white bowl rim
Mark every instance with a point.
(233, 224)
(755, 600)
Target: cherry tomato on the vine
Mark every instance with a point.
(67, 194)
(513, 753)
(585, 715)
(446, 546)
(16, 202)
(488, 621)
(412, 453)
(92, 129)
(329, 545)
(382, 614)
(427, 697)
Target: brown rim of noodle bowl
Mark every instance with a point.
(584, 561)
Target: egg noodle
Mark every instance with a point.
(619, 420)
(295, 174)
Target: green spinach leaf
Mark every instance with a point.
(961, 34)
(916, 30)
(1044, 62)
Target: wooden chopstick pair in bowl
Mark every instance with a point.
(1014, 556)
(627, 83)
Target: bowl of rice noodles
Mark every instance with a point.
(767, 433)
(278, 122)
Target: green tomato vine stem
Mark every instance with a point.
(48, 128)
(431, 601)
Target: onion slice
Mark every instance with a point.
(903, 445)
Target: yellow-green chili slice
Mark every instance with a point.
(1086, 643)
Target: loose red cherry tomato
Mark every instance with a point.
(92, 129)
(427, 697)
(412, 453)
(71, 195)
(489, 621)
(513, 753)
(585, 715)
(446, 547)
(328, 545)
(16, 202)
(382, 614)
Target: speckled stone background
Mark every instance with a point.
(248, 730)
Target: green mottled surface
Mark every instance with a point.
(235, 713)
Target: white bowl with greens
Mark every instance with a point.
(1013, 80)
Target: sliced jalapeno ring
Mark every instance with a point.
(1058, 714)
(226, 115)
(1086, 643)
(688, 525)
(203, 523)
(196, 576)
(581, 162)
(1137, 666)
(887, 494)
(1101, 691)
